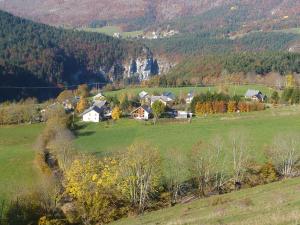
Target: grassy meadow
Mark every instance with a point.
(232, 90)
(275, 203)
(258, 127)
(110, 30)
(17, 169)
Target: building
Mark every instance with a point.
(169, 95)
(190, 97)
(255, 95)
(92, 114)
(167, 98)
(98, 111)
(183, 115)
(143, 112)
(99, 97)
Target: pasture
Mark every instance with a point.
(275, 203)
(232, 90)
(259, 129)
(17, 169)
(110, 30)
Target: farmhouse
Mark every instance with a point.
(97, 112)
(93, 114)
(164, 99)
(255, 95)
(142, 113)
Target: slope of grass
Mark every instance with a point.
(110, 30)
(17, 169)
(259, 127)
(233, 89)
(276, 203)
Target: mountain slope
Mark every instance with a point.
(142, 12)
(51, 56)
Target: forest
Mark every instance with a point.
(32, 53)
(260, 63)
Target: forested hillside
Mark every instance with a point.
(139, 14)
(214, 66)
(32, 53)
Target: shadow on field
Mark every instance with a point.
(77, 130)
(83, 134)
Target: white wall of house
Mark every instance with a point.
(146, 115)
(91, 116)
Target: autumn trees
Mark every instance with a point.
(157, 109)
(212, 103)
(26, 111)
(141, 174)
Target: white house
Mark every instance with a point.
(142, 113)
(93, 114)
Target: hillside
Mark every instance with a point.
(276, 203)
(141, 12)
(33, 54)
(220, 65)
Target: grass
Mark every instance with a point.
(238, 90)
(291, 30)
(110, 30)
(259, 127)
(17, 170)
(276, 203)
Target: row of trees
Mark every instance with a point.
(223, 107)
(26, 111)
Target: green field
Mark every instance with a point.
(276, 203)
(232, 89)
(110, 30)
(17, 169)
(259, 127)
(291, 30)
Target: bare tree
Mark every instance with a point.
(141, 172)
(219, 160)
(63, 149)
(202, 164)
(285, 154)
(176, 172)
(239, 155)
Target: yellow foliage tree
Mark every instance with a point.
(116, 113)
(83, 91)
(232, 106)
(82, 105)
(97, 189)
(290, 81)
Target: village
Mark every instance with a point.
(173, 108)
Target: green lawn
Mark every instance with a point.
(259, 128)
(232, 89)
(110, 30)
(17, 170)
(276, 203)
